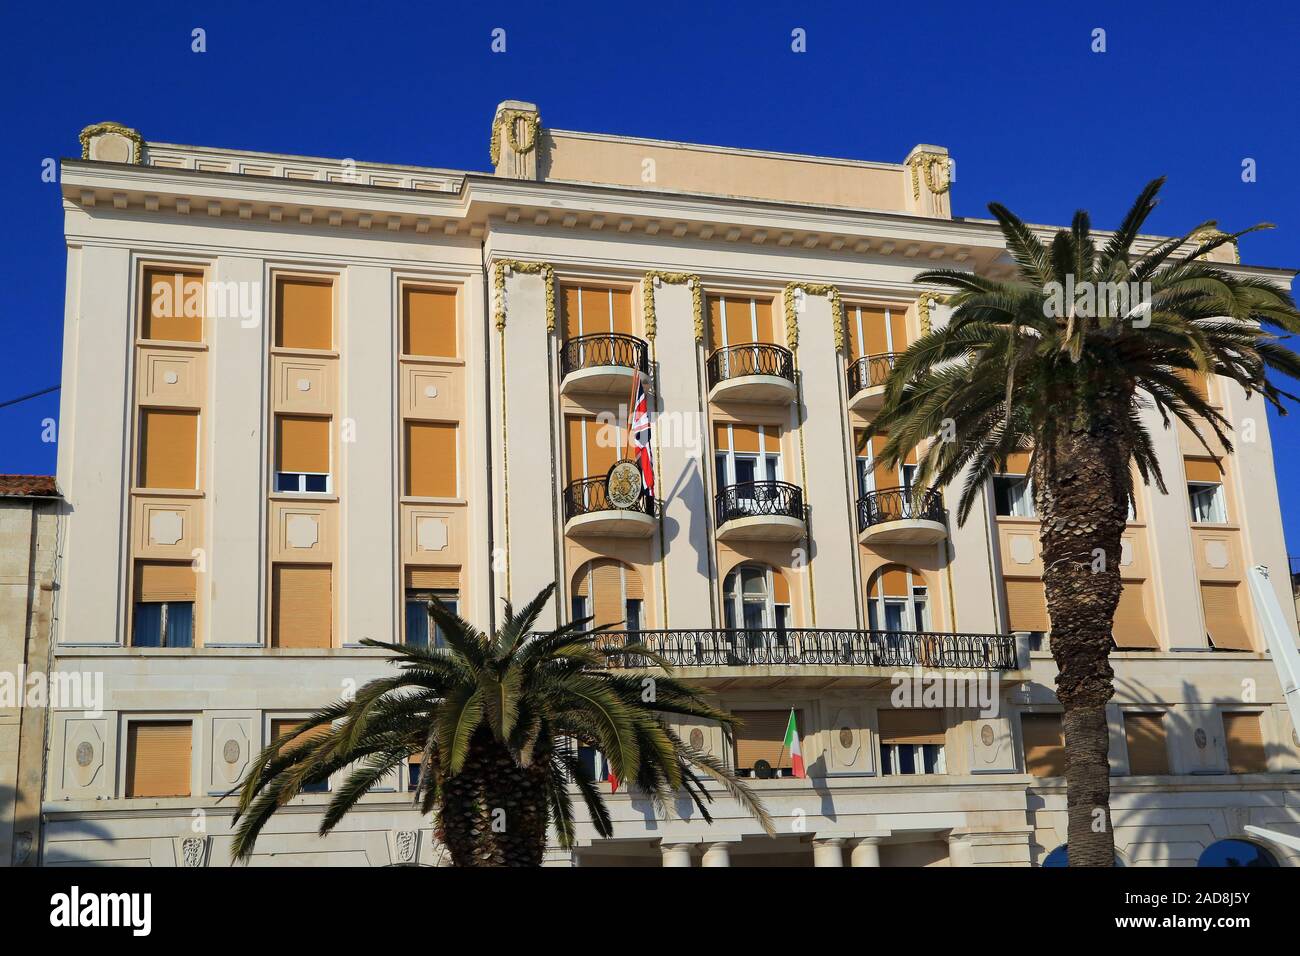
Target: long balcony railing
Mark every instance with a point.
(588, 495)
(750, 499)
(870, 371)
(603, 350)
(897, 504)
(758, 358)
(801, 648)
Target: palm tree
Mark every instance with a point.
(496, 720)
(1019, 369)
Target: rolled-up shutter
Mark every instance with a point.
(569, 302)
(304, 314)
(620, 301)
(157, 582)
(780, 588)
(303, 444)
(740, 321)
(303, 606)
(169, 448)
(431, 460)
(1202, 469)
(1131, 629)
(763, 321)
(1018, 463)
(607, 587)
(1223, 617)
(911, 726)
(891, 581)
(158, 758)
(167, 292)
(282, 726)
(1044, 743)
(761, 736)
(873, 331)
(632, 588)
(429, 322)
(1244, 738)
(716, 337)
(744, 439)
(433, 579)
(1027, 605)
(1147, 751)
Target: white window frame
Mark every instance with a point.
(918, 593)
(302, 481)
(918, 759)
(1025, 501)
(1218, 502)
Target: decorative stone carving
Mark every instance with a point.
(991, 750)
(112, 143)
(302, 531)
(85, 753)
(406, 843)
(697, 739)
(430, 391)
(231, 750)
(1216, 554)
(1022, 548)
(304, 385)
(194, 851)
(171, 378)
(166, 527)
(431, 533)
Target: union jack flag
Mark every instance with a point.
(639, 428)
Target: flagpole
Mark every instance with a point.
(631, 411)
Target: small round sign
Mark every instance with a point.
(623, 484)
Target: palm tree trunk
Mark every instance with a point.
(494, 812)
(1080, 487)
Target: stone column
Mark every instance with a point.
(866, 852)
(717, 854)
(828, 852)
(676, 854)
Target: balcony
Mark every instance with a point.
(866, 378)
(752, 373)
(901, 516)
(602, 364)
(790, 647)
(760, 511)
(588, 510)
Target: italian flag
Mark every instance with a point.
(792, 745)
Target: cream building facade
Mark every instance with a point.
(300, 395)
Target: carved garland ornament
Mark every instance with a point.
(923, 302)
(791, 319)
(1209, 234)
(97, 129)
(544, 269)
(672, 278)
(532, 123)
(931, 165)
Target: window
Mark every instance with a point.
(423, 584)
(1205, 491)
(169, 448)
(610, 592)
(760, 742)
(875, 331)
(1130, 630)
(740, 320)
(302, 600)
(302, 456)
(756, 601)
(173, 306)
(413, 772)
(429, 322)
(897, 600)
(304, 310)
(280, 727)
(1236, 853)
(1147, 751)
(1044, 744)
(1027, 607)
(911, 742)
(163, 614)
(592, 764)
(744, 454)
(158, 758)
(593, 447)
(872, 475)
(431, 460)
(595, 310)
(1243, 736)
(1013, 496)
(1224, 625)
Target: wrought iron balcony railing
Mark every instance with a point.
(749, 499)
(603, 350)
(758, 358)
(587, 495)
(896, 504)
(801, 648)
(870, 371)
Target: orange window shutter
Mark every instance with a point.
(745, 438)
(574, 427)
(158, 758)
(302, 606)
(1027, 605)
(740, 321)
(912, 726)
(891, 581)
(1196, 380)
(898, 329)
(1244, 737)
(173, 304)
(429, 322)
(854, 337)
(1223, 617)
(282, 726)
(433, 579)
(621, 318)
(302, 444)
(607, 583)
(595, 311)
(169, 449)
(603, 441)
(761, 736)
(632, 588)
(304, 314)
(1202, 469)
(1018, 463)
(569, 303)
(1131, 628)
(716, 337)
(873, 331)
(1147, 752)
(1044, 742)
(157, 582)
(721, 436)
(431, 470)
(780, 588)
(772, 439)
(766, 328)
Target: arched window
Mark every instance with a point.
(756, 598)
(1236, 853)
(1061, 857)
(610, 592)
(898, 600)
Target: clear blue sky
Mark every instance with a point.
(1034, 118)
